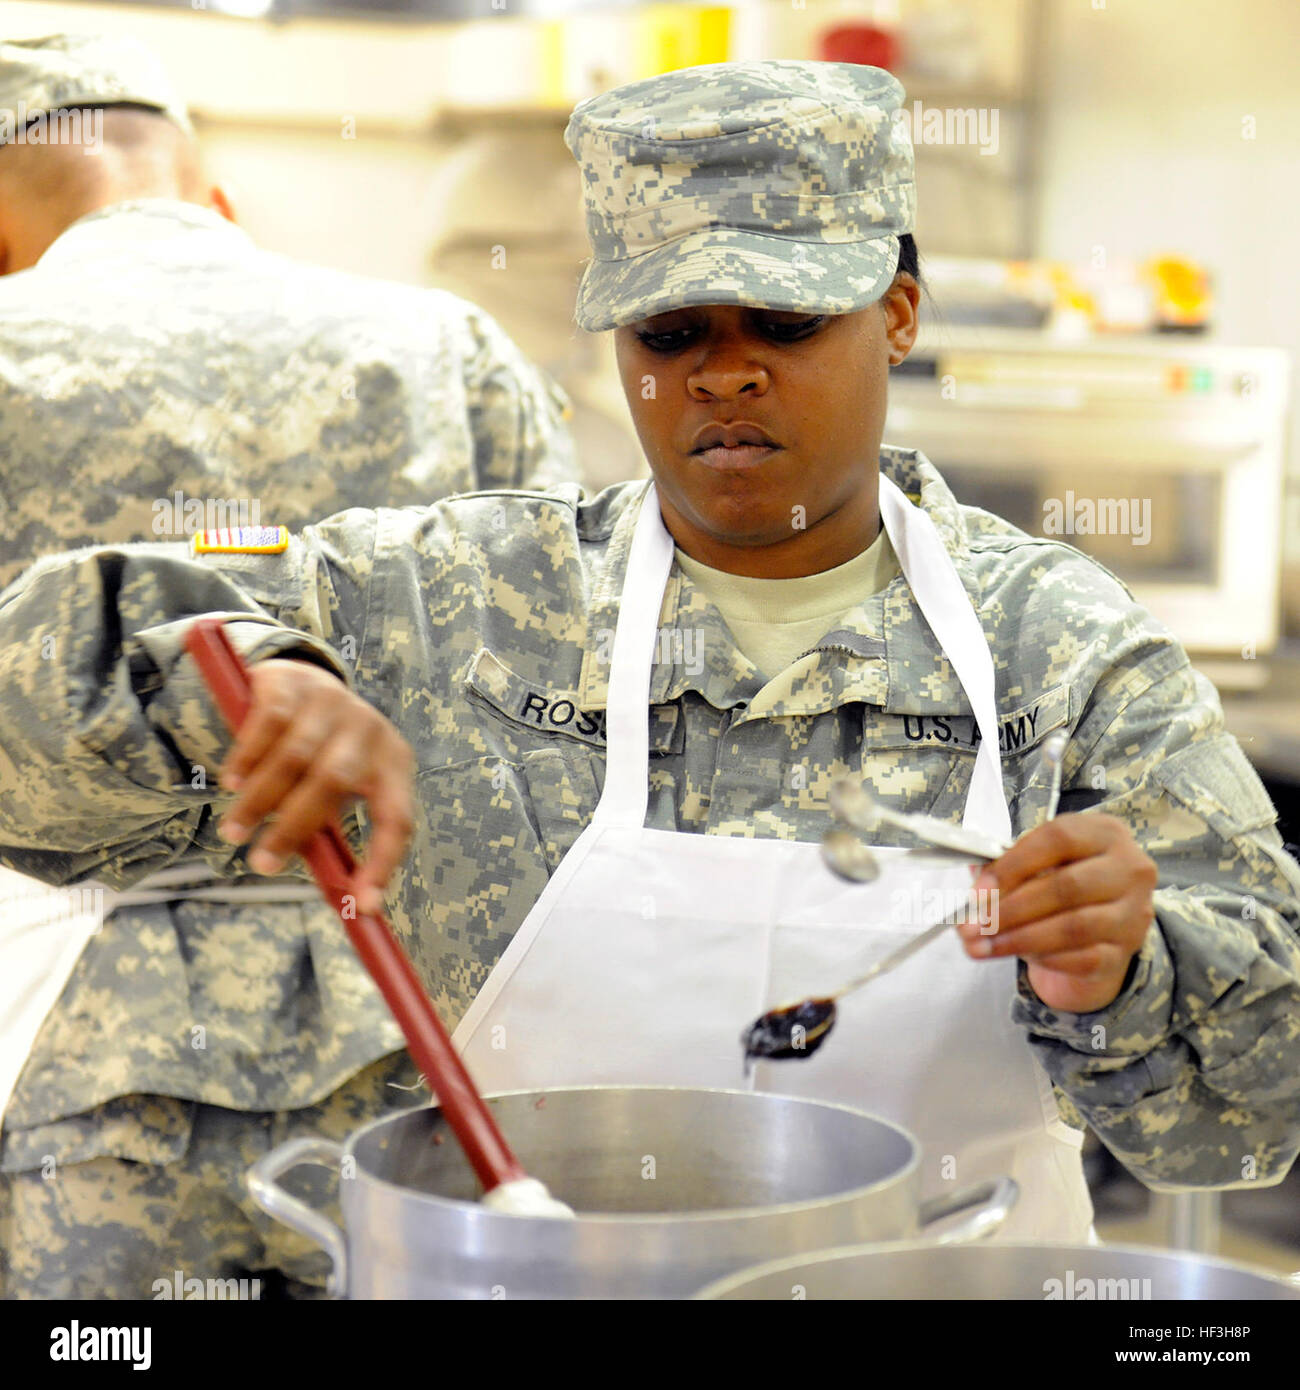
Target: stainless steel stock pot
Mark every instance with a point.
(673, 1187)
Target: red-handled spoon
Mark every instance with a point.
(330, 859)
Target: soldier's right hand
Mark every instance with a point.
(307, 747)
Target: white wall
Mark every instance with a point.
(360, 205)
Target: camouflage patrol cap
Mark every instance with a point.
(772, 183)
(66, 71)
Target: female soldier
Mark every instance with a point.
(613, 863)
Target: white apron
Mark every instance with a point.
(650, 951)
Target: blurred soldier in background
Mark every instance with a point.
(147, 347)
(160, 376)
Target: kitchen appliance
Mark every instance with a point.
(1020, 1271)
(1160, 458)
(673, 1187)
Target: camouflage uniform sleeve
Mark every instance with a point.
(518, 415)
(1191, 1076)
(109, 742)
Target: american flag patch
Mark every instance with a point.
(241, 540)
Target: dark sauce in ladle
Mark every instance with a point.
(798, 1030)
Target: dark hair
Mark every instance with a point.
(908, 257)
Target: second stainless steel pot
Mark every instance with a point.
(1092, 1273)
(673, 1188)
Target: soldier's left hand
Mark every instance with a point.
(1073, 899)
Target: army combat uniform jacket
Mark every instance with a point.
(482, 627)
(161, 374)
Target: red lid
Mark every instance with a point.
(859, 43)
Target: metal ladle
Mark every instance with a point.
(854, 804)
(798, 1030)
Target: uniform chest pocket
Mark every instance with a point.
(142, 1129)
(530, 715)
(926, 761)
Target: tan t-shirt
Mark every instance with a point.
(774, 621)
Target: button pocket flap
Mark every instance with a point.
(1019, 728)
(142, 1129)
(541, 708)
(1029, 723)
(532, 704)
(1214, 779)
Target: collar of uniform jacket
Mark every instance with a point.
(127, 225)
(866, 657)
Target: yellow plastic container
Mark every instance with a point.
(681, 36)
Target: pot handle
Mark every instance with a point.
(297, 1215)
(992, 1199)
